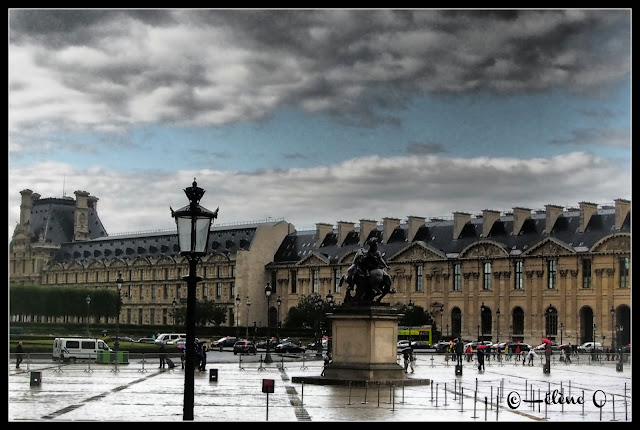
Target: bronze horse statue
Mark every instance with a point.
(368, 289)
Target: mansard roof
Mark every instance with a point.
(438, 234)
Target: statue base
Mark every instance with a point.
(364, 348)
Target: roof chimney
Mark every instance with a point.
(344, 228)
(366, 227)
(552, 214)
(415, 222)
(459, 221)
(622, 210)
(388, 226)
(489, 218)
(81, 217)
(520, 215)
(322, 230)
(92, 202)
(586, 212)
(26, 204)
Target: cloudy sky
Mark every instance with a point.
(319, 115)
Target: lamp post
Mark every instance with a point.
(594, 335)
(478, 333)
(319, 328)
(482, 308)
(330, 302)
(174, 303)
(267, 292)
(193, 224)
(255, 331)
(279, 302)
(410, 307)
(237, 316)
(613, 317)
(119, 282)
(246, 335)
(498, 328)
(441, 314)
(88, 299)
(619, 329)
(561, 331)
(448, 331)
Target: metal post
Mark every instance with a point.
(246, 335)
(267, 357)
(88, 299)
(189, 367)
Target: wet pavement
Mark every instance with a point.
(140, 391)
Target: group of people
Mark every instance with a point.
(200, 356)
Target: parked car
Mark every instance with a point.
(126, 339)
(441, 346)
(263, 344)
(420, 344)
(146, 340)
(226, 341)
(183, 341)
(403, 344)
(589, 346)
(288, 347)
(244, 347)
(523, 346)
(554, 347)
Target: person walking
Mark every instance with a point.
(459, 348)
(480, 352)
(412, 361)
(162, 355)
(19, 354)
(532, 355)
(406, 357)
(203, 354)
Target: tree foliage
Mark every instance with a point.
(206, 312)
(308, 313)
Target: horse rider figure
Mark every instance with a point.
(363, 263)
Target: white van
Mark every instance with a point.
(77, 348)
(170, 338)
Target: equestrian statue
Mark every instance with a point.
(368, 274)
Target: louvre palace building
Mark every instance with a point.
(560, 272)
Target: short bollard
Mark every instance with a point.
(213, 375)
(36, 379)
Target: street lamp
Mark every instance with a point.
(448, 331)
(267, 292)
(478, 332)
(330, 302)
(619, 330)
(88, 299)
(498, 328)
(410, 307)
(613, 317)
(174, 303)
(561, 330)
(319, 328)
(246, 335)
(279, 302)
(441, 313)
(594, 335)
(193, 224)
(481, 325)
(237, 316)
(119, 282)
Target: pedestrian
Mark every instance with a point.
(19, 354)
(406, 357)
(203, 355)
(162, 355)
(480, 353)
(469, 351)
(507, 352)
(459, 348)
(327, 360)
(532, 355)
(523, 354)
(183, 358)
(412, 361)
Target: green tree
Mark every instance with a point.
(308, 313)
(206, 312)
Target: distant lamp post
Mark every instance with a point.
(619, 330)
(279, 302)
(441, 315)
(498, 327)
(174, 304)
(561, 331)
(193, 223)
(319, 328)
(448, 331)
(410, 307)
(267, 292)
(329, 299)
(613, 318)
(119, 282)
(478, 332)
(246, 335)
(482, 308)
(88, 299)
(237, 316)
(595, 338)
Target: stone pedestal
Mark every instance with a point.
(364, 344)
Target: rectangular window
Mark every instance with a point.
(624, 272)
(152, 316)
(165, 292)
(294, 282)
(552, 266)
(232, 290)
(141, 293)
(166, 274)
(518, 280)
(218, 290)
(336, 280)
(205, 291)
(586, 273)
(316, 287)
(486, 276)
(153, 292)
(233, 271)
(456, 277)
(419, 273)
(219, 271)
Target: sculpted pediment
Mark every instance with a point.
(549, 246)
(313, 259)
(484, 249)
(620, 242)
(417, 251)
(140, 262)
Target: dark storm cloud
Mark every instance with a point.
(213, 67)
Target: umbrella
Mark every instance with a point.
(481, 347)
(545, 340)
(181, 347)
